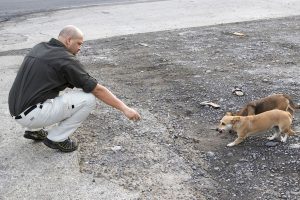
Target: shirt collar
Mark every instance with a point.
(56, 42)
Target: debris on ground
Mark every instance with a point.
(208, 103)
(238, 34)
(237, 91)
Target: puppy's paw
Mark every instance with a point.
(231, 144)
(283, 139)
(271, 138)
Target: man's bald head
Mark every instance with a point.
(70, 31)
(72, 38)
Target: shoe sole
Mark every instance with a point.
(53, 146)
(31, 137)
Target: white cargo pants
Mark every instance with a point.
(67, 111)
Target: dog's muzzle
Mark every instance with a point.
(219, 130)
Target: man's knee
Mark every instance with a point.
(90, 100)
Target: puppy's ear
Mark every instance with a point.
(228, 114)
(235, 119)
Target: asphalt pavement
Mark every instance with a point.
(29, 170)
(14, 8)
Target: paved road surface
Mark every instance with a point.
(11, 8)
(122, 19)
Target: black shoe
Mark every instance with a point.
(36, 135)
(66, 146)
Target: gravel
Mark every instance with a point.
(174, 151)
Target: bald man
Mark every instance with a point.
(35, 101)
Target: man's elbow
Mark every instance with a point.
(98, 89)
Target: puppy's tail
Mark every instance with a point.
(292, 104)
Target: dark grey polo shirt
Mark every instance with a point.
(47, 69)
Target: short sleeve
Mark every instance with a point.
(76, 75)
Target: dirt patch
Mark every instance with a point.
(174, 153)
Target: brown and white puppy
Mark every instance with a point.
(245, 126)
(276, 101)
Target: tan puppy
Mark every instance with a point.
(245, 126)
(276, 101)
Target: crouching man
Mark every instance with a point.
(34, 100)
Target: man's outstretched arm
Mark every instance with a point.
(109, 98)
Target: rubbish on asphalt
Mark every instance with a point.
(116, 148)
(238, 34)
(237, 91)
(271, 144)
(208, 103)
(144, 44)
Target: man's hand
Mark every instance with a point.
(109, 98)
(132, 114)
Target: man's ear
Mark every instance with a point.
(235, 119)
(68, 41)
